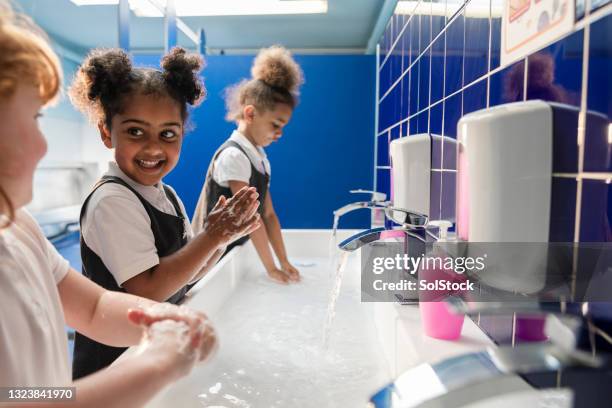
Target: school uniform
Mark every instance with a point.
(33, 342)
(239, 160)
(125, 228)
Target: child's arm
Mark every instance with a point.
(133, 381)
(108, 317)
(273, 229)
(212, 261)
(228, 220)
(261, 241)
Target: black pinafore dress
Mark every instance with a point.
(169, 232)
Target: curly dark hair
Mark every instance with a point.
(107, 77)
(276, 78)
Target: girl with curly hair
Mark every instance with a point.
(261, 107)
(135, 235)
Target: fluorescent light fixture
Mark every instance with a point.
(474, 9)
(249, 7)
(94, 2)
(146, 8)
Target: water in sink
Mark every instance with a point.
(271, 354)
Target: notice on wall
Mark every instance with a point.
(528, 25)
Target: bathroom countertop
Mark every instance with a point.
(406, 345)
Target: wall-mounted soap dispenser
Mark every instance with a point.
(412, 162)
(504, 189)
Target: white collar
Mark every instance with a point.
(256, 151)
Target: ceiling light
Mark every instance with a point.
(94, 2)
(146, 8)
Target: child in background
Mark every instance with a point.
(40, 293)
(135, 235)
(261, 108)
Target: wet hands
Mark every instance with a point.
(233, 218)
(177, 336)
(286, 274)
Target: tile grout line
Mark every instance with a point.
(582, 118)
(443, 111)
(376, 117)
(425, 50)
(489, 59)
(580, 136)
(398, 35)
(474, 82)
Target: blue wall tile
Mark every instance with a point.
(383, 181)
(449, 183)
(507, 85)
(435, 194)
(424, 65)
(383, 150)
(475, 97)
(596, 211)
(476, 53)
(414, 89)
(452, 114)
(565, 139)
(495, 41)
(562, 209)
(423, 122)
(405, 95)
(454, 55)
(597, 147)
(435, 119)
(437, 69)
(600, 66)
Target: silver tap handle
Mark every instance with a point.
(376, 196)
(406, 218)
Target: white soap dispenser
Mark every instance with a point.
(504, 190)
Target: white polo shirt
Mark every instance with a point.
(232, 164)
(33, 343)
(117, 228)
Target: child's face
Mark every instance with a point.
(21, 143)
(147, 137)
(267, 126)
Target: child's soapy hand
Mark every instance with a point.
(197, 322)
(233, 218)
(177, 336)
(169, 343)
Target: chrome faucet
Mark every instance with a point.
(376, 202)
(411, 223)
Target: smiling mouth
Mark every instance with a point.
(150, 164)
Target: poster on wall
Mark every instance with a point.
(528, 25)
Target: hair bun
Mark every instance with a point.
(107, 70)
(181, 71)
(275, 66)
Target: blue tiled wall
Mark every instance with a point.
(436, 66)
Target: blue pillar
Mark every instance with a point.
(124, 24)
(202, 42)
(170, 33)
